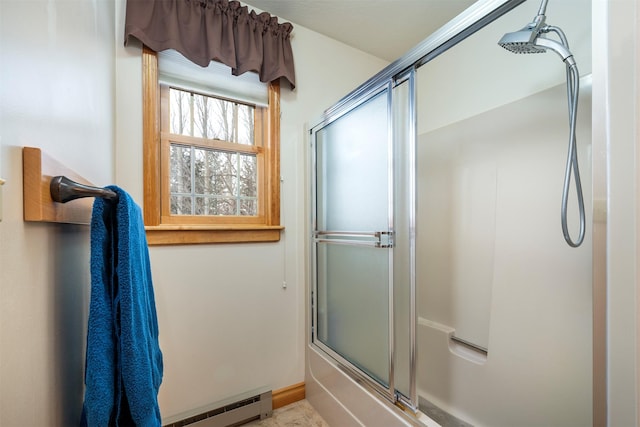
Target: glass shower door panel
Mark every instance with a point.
(353, 258)
(353, 319)
(352, 160)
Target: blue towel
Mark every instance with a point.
(123, 362)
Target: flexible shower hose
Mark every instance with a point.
(573, 87)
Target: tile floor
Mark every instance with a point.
(297, 414)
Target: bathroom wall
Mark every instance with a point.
(70, 87)
(496, 271)
(616, 54)
(488, 76)
(493, 267)
(232, 316)
(57, 93)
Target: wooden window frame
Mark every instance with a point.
(163, 230)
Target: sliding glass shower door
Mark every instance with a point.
(365, 152)
(358, 293)
(353, 238)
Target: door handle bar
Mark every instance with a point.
(383, 239)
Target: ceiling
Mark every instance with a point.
(384, 28)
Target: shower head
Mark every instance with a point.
(529, 41)
(522, 41)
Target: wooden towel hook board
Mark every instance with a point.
(38, 172)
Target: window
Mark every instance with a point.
(212, 148)
(211, 164)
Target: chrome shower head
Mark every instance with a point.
(528, 40)
(522, 41)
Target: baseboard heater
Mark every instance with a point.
(234, 411)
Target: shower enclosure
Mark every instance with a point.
(440, 284)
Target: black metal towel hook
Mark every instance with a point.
(64, 190)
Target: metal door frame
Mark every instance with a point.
(380, 239)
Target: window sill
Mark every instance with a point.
(198, 234)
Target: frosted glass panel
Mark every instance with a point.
(352, 158)
(352, 195)
(353, 305)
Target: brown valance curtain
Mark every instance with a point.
(214, 30)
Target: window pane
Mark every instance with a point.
(180, 169)
(248, 174)
(201, 170)
(179, 112)
(249, 207)
(226, 120)
(225, 175)
(206, 181)
(201, 206)
(181, 205)
(245, 125)
(203, 117)
(222, 206)
(209, 117)
(214, 160)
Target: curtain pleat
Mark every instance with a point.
(215, 30)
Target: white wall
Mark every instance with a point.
(57, 91)
(615, 153)
(464, 69)
(616, 59)
(227, 324)
(70, 87)
(493, 266)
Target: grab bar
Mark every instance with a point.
(470, 345)
(64, 190)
